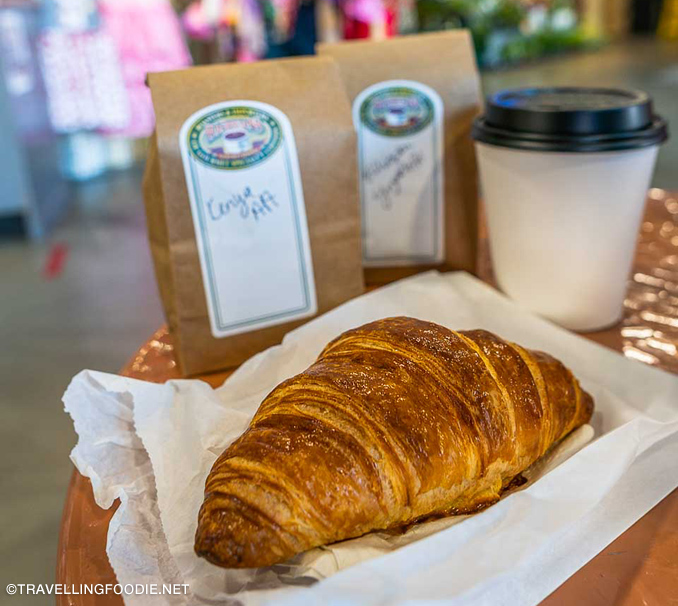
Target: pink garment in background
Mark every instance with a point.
(149, 39)
(85, 88)
(238, 26)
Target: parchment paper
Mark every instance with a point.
(153, 445)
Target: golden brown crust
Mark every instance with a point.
(397, 420)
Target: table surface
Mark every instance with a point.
(639, 567)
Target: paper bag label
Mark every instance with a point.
(247, 204)
(400, 147)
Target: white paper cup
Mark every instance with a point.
(563, 225)
(563, 228)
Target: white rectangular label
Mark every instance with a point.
(247, 203)
(400, 143)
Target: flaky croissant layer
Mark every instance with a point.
(396, 420)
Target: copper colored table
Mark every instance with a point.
(639, 568)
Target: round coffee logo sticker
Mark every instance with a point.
(396, 111)
(234, 137)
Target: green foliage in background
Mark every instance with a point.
(505, 31)
(546, 43)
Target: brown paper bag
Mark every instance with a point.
(244, 158)
(414, 99)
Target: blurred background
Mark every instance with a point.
(77, 285)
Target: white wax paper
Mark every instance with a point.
(153, 445)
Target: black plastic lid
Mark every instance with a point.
(570, 119)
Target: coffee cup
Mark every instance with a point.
(564, 174)
(396, 116)
(237, 141)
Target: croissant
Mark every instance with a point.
(397, 420)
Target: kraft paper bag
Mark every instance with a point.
(252, 206)
(413, 100)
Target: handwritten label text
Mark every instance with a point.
(402, 161)
(247, 205)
